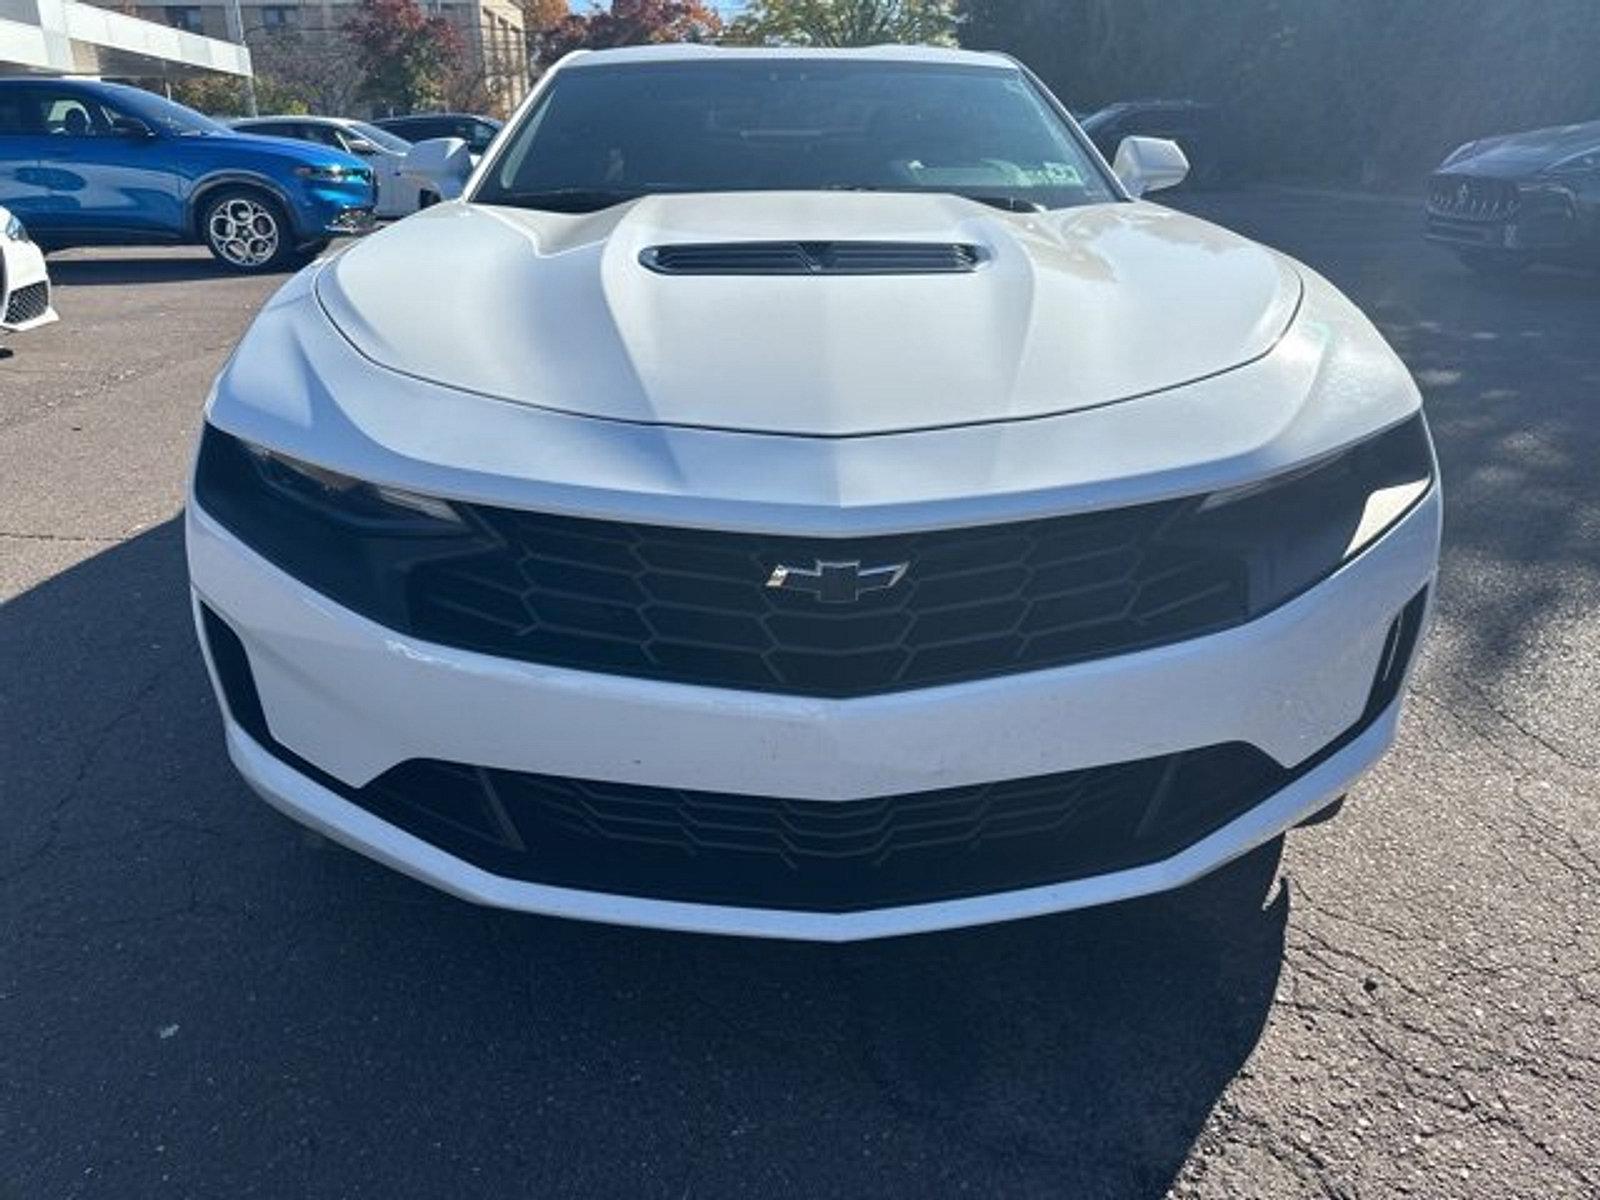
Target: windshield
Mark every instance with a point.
(164, 115)
(601, 135)
(381, 138)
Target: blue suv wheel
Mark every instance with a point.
(246, 231)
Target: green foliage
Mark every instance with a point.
(1360, 90)
(224, 96)
(847, 22)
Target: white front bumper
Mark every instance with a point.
(352, 826)
(22, 266)
(354, 699)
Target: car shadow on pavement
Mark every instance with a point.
(126, 269)
(203, 998)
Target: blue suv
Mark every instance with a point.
(88, 163)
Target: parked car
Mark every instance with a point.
(90, 163)
(24, 281)
(380, 149)
(806, 493)
(1504, 203)
(477, 132)
(1196, 126)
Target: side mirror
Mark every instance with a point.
(361, 146)
(1149, 164)
(131, 127)
(442, 164)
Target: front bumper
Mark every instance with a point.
(350, 700)
(327, 208)
(24, 287)
(1538, 221)
(349, 222)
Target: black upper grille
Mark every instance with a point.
(28, 303)
(812, 258)
(853, 616)
(1472, 198)
(695, 606)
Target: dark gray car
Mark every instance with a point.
(1504, 203)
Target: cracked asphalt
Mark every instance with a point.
(196, 999)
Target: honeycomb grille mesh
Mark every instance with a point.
(818, 855)
(28, 303)
(694, 606)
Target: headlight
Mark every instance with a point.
(1295, 529)
(15, 230)
(349, 539)
(1459, 153)
(330, 173)
(1577, 164)
(342, 497)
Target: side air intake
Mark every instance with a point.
(814, 258)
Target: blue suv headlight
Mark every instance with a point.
(331, 173)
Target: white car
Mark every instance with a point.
(24, 281)
(399, 194)
(809, 494)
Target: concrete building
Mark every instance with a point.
(491, 30)
(59, 37)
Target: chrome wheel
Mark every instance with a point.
(243, 232)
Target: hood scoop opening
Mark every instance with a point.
(814, 258)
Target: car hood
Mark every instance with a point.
(1072, 309)
(291, 150)
(1516, 154)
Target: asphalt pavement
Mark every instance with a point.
(197, 999)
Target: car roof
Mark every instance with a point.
(699, 52)
(286, 118)
(93, 85)
(434, 116)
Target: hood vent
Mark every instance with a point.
(814, 258)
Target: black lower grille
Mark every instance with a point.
(823, 856)
(28, 303)
(714, 848)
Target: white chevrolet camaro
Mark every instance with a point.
(24, 281)
(809, 494)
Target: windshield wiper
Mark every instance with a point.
(1016, 204)
(1009, 203)
(569, 199)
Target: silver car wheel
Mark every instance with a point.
(243, 232)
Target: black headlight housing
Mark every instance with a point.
(1293, 530)
(354, 541)
(362, 544)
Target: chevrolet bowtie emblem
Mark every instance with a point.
(837, 582)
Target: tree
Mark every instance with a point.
(405, 57)
(1357, 90)
(542, 14)
(224, 95)
(847, 22)
(624, 23)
